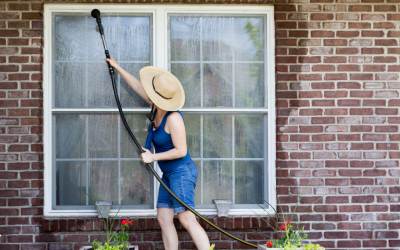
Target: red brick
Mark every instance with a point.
(8, 211)
(335, 235)
(9, 33)
(349, 244)
(347, 51)
(385, 8)
(384, 59)
(322, 33)
(372, 50)
(374, 243)
(359, 25)
(321, 16)
(19, 238)
(394, 243)
(336, 217)
(345, 33)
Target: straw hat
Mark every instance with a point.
(162, 87)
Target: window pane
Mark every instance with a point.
(81, 78)
(136, 185)
(70, 136)
(71, 183)
(185, 38)
(103, 181)
(217, 136)
(218, 38)
(128, 97)
(193, 139)
(249, 85)
(231, 59)
(67, 45)
(249, 38)
(218, 85)
(69, 84)
(217, 181)
(93, 40)
(100, 91)
(249, 136)
(134, 38)
(138, 125)
(189, 75)
(103, 136)
(249, 182)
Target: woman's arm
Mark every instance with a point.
(178, 135)
(130, 80)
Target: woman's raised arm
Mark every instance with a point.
(130, 80)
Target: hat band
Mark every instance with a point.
(154, 88)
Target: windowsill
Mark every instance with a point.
(53, 214)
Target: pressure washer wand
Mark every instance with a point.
(96, 14)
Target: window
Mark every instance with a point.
(223, 57)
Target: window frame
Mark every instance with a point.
(160, 48)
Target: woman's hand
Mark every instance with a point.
(147, 156)
(112, 62)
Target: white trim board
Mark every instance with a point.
(160, 14)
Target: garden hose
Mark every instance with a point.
(96, 14)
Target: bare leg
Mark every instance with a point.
(199, 236)
(165, 217)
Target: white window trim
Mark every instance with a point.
(160, 14)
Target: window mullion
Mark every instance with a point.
(201, 116)
(145, 110)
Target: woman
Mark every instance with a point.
(167, 133)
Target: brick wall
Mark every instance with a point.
(338, 133)
(338, 120)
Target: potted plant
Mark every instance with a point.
(291, 239)
(117, 237)
(288, 236)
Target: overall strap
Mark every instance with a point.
(164, 120)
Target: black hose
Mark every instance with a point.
(96, 14)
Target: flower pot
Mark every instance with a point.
(130, 247)
(264, 247)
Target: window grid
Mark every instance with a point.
(233, 62)
(79, 111)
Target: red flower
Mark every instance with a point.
(126, 222)
(269, 244)
(282, 227)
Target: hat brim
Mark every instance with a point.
(176, 102)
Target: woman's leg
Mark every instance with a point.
(199, 236)
(165, 217)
